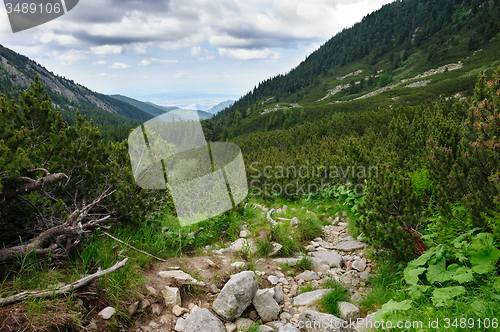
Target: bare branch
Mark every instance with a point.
(62, 290)
(33, 184)
(128, 245)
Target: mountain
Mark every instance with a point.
(153, 109)
(17, 72)
(405, 53)
(219, 107)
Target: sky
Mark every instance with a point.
(183, 52)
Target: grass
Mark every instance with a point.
(329, 302)
(308, 287)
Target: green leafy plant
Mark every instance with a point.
(444, 269)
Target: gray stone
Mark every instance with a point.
(276, 247)
(365, 275)
(336, 221)
(266, 306)
(244, 233)
(156, 309)
(243, 324)
(287, 260)
(313, 321)
(180, 326)
(359, 264)
(288, 328)
(349, 245)
(238, 264)
(236, 295)
(133, 308)
(309, 298)
(214, 289)
(308, 275)
(347, 238)
(327, 257)
(356, 297)
(231, 327)
(181, 277)
(278, 294)
(348, 312)
(203, 320)
(265, 328)
(172, 296)
(240, 245)
(294, 221)
(273, 280)
(107, 312)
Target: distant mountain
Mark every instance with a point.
(153, 109)
(17, 72)
(147, 107)
(219, 107)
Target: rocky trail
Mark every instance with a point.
(223, 290)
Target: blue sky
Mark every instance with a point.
(183, 52)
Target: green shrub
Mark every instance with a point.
(264, 247)
(282, 234)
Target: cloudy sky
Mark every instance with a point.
(182, 52)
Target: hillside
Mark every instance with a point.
(114, 117)
(403, 54)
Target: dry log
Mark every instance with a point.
(62, 290)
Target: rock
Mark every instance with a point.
(276, 247)
(133, 308)
(243, 234)
(294, 221)
(236, 295)
(288, 328)
(366, 323)
(209, 262)
(243, 323)
(92, 325)
(145, 303)
(156, 309)
(265, 328)
(308, 275)
(336, 221)
(181, 277)
(107, 313)
(278, 294)
(310, 321)
(356, 297)
(177, 310)
(359, 264)
(203, 320)
(180, 326)
(310, 248)
(287, 260)
(238, 264)
(365, 275)
(314, 244)
(253, 314)
(164, 319)
(151, 290)
(349, 245)
(273, 280)
(231, 327)
(172, 296)
(239, 245)
(347, 238)
(153, 324)
(279, 274)
(214, 289)
(309, 298)
(266, 306)
(348, 312)
(327, 257)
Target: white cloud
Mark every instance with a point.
(145, 63)
(69, 58)
(181, 74)
(201, 53)
(119, 65)
(244, 54)
(100, 62)
(107, 50)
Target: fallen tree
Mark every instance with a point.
(61, 290)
